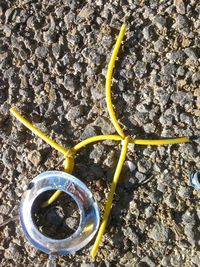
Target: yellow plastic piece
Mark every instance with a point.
(69, 166)
(52, 199)
(160, 142)
(110, 197)
(109, 80)
(88, 228)
(146, 142)
(34, 130)
(96, 139)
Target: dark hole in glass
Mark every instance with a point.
(60, 219)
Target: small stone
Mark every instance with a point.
(190, 234)
(105, 125)
(148, 33)
(160, 22)
(140, 176)
(149, 128)
(74, 113)
(159, 46)
(180, 71)
(141, 108)
(184, 192)
(159, 233)
(41, 52)
(166, 120)
(35, 157)
(130, 165)
(196, 78)
(180, 6)
(196, 259)
(7, 31)
(155, 197)
(8, 15)
(176, 259)
(162, 97)
(128, 232)
(165, 261)
(110, 160)
(149, 211)
(85, 12)
(89, 131)
(171, 201)
(4, 209)
(143, 165)
(188, 218)
(186, 119)
(191, 53)
(168, 72)
(176, 56)
(181, 24)
(70, 83)
(182, 98)
(71, 223)
(59, 12)
(131, 183)
(49, 36)
(12, 252)
(74, 39)
(97, 153)
(140, 69)
(56, 51)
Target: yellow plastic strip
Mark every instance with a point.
(110, 197)
(96, 139)
(160, 142)
(109, 79)
(69, 166)
(26, 123)
(52, 199)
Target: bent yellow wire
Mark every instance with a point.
(69, 166)
(110, 197)
(109, 80)
(36, 131)
(70, 153)
(160, 142)
(96, 139)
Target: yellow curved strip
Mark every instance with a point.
(110, 197)
(109, 79)
(52, 199)
(160, 142)
(69, 166)
(96, 139)
(36, 131)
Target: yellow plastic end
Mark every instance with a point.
(110, 197)
(52, 199)
(69, 164)
(96, 138)
(36, 131)
(160, 142)
(109, 80)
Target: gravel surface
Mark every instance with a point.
(53, 60)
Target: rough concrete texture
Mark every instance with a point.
(53, 60)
